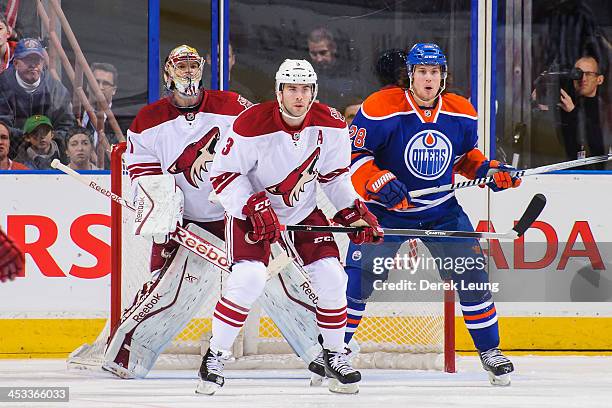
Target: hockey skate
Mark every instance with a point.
(317, 369)
(343, 378)
(211, 372)
(317, 366)
(497, 366)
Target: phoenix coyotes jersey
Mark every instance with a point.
(262, 153)
(422, 147)
(162, 140)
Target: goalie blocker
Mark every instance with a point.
(159, 207)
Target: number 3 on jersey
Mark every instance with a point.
(357, 135)
(228, 146)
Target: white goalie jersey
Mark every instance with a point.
(164, 140)
(262, 153)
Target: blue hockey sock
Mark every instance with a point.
(481, 321)
(354, 314)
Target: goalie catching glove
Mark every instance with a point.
(360, 216)
(501, 175)
(159, 207)
(263, 218)
(385, 188)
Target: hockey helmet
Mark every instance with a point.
(391, 67)
(426, 54)
(187, 83)
(293, 71)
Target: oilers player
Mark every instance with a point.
(408, 139)
(267, 171)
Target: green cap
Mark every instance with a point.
(35, 121)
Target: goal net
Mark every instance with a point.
(409, 334)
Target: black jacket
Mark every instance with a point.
(588, 126)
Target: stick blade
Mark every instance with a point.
(533, 211)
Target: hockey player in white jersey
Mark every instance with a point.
(171, 145)
(265, 174)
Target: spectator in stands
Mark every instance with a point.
(40, 146)
(349, 113)
(7, 46)
(79, 146)
(22, 17)
(28, 89)
(5, 145)
(337, 83)
(573, 112)
(322, 49)
(351, 110)
(585, 119)
(106, 76)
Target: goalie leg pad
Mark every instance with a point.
(141, 357)
(290, 301)
(161, 312)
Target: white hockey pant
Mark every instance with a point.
(242, 288)
(329, 281)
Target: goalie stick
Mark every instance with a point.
(533, 210)
(516, 173)
(184, 237)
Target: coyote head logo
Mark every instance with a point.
(291, 187)
(197, 158)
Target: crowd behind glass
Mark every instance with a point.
(353, 55)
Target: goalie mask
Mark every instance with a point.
(427, 54)
(295, 72)
(183, 71)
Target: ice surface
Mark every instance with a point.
(555, 381)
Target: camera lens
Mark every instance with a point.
(576, 74)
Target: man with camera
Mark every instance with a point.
(585, 126)
(583, 118)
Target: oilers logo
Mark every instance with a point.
(428, 154)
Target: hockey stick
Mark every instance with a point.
(516, 173)
(533, 210)
(183, 236)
